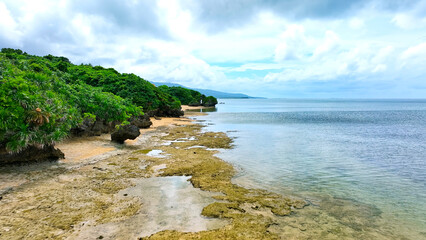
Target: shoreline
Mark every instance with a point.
(166, 184)
(83, 199)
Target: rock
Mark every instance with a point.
(141, 121)
(194, 104)
(166, 111)
(84, 128)
(90, 127)
(31, 154)
(125, 132)
(209, 101)
(98, 128)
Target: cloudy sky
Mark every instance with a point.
(270, 48)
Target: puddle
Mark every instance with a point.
(169, 203)
(196, 146)
(156, 153)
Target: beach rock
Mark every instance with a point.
(89, 127)
(125, 132)
(31, 154)
(141, 121)
(166, 111)
(194, 104)
(100, 127)
(83, 129)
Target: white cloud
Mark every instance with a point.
(166, 41)
(253, 66)
(331, 42)
(356, 23)
(293, 44)
(8, 25)
(418, 51)
(413, 59)
(414, 18)
(253, 42)
(408, 21)
(355, 62)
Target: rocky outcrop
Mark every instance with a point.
(31, 154)
(125, 132)
(166, 112)
(141, 121)
(93, 128)
(209, 101)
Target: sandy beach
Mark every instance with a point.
(166, 184)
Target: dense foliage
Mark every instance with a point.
(39, 105)
(189, 96)
(138, 90)
(43, 98)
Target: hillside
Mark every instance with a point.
(207, 92)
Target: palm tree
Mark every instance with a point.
(37, 117)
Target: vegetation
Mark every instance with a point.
(209, 101)
(139, 91)
(39, 107)
(189, 96)
(43, 98)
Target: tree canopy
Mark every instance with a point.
(43, 98)
(39, 105)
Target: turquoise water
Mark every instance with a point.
(361, 163)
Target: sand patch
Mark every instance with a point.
(79, 149)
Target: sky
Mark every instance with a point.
(270, 48)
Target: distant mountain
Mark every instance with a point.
(207, 92)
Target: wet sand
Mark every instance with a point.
(78, 151)
(186, 108)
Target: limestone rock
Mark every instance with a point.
(166, 111)
(125, 132)
(31, 154)
(141, 121)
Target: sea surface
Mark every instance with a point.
(361, 164)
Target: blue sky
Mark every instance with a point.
(306, 49)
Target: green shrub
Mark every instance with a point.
(209, 101)
(189, 96)
(38, 107)
(139, 91)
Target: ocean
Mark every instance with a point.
(360, 164)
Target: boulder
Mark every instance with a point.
(141, 121)
(31, 154)
(125, 132)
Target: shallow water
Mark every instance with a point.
(360, 162)
(169, 203)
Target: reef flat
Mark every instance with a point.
(96, 200)
(251, 211)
